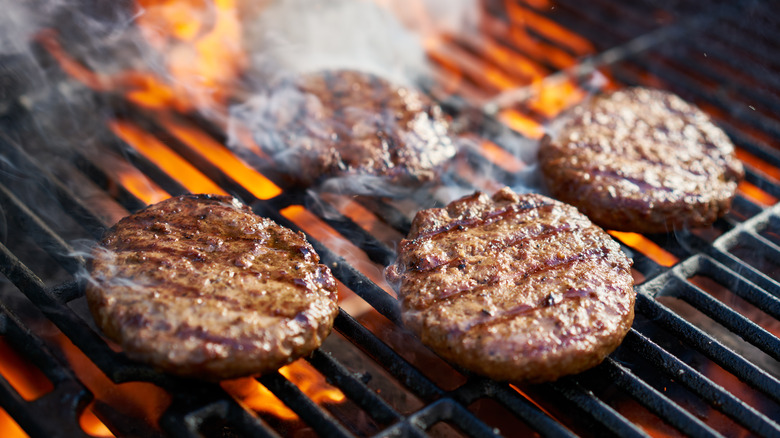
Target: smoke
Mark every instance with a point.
(299, 36)
(381, 37)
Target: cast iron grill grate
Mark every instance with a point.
(663, 349)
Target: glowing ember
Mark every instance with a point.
(522, 123)
(249, 178)
(92, 425)
(550, 99)
(549, 28)
(758, 163)
(519, 391)
(343, 247)
(755, 194)
(258, 398)
(501, 157)
(139, 186)
(27, 380)
(139, 400)
(646, 247)
(167, 160)
(9, 428)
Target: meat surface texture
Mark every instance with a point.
(521, 288)
(344, 123)
(641, 160)
(200, 286)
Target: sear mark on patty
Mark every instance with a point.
(641, 160)
(200, 286)
(527, 290)
(346, 123)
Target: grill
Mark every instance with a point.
(701, 358)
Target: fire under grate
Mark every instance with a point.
(669, 376)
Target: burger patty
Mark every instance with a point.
(200, 286)
(515, 287)
(641, 160)
(347, 123)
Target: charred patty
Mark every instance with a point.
(200, 286)
(344, 123)
(515, 287)
(641, 160)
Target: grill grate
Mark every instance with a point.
(634, 44)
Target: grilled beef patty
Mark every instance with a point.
(641, 160)
(200, 286)
(347, 123)
(515, 287)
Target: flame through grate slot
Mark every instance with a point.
(703, 356)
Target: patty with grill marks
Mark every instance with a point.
(346, 123)
(641, 160)
(200, 286)
(521, 288)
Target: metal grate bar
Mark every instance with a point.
(50, 184)
(735, 57)
(523, 408)
(99, 177)
(683, 56)
(724, 315)
(356, 390)
(656, 402)
(513, 401)
(684, 83)
(744, 206)
(117, 367)
(448, 410)
(387, 213)
(387, 357)
(719, 251)
(296, 400)
(751, 39)
(44, 236)
(762, 181)
(736, 284)
(151, 170)
(714, 394)
(187, 415)
(377, 251)
(64, 416)
(596, 408)
(710, 347)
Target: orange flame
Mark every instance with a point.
(137, 399)
(9, 428)
(205, 145)
(755, 194)
(257, 397)
(343, 247)
(758, 163)
(202, 43)
(140, 187)
(27, 380)
(92, 425)
(202, 47)
(522, 123)
(646, 247)
(171, 163)
(131, 179)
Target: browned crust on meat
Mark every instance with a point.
(515, 287)
(641, 160)
(341, 123)
(200, 286)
